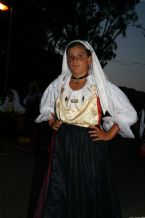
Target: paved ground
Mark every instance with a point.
(21, 176)
(129, 170)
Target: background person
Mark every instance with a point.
(11, 115)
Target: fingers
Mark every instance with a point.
(95, 133)
(94, 130)
(94, 137)
(57, 124)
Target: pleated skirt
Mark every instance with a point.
(79, 183)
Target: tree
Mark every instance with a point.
(47, 27)
(98, 21)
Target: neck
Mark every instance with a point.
(77, 79)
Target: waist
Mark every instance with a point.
(81, 124)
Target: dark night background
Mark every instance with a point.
(27, 62)
(23, 57)
(28, 54)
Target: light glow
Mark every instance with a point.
(3, 7)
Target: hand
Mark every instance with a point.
(55, 124)
(96, 133)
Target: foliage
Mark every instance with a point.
(98, 21)
(52, 25)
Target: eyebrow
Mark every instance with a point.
(80, 53)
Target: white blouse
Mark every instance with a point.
(123, 112)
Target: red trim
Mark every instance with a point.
(142, 150)
(43, 192)
(99, 110)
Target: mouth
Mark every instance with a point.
(76, 67)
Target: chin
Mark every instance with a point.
(77, 73)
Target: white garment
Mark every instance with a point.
(16, 103)
(124, 113)
(112, 99)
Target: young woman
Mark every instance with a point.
(79, 183)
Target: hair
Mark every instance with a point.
(74, 44)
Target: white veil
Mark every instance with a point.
(16, 103)
(112, 99)
(97, 73)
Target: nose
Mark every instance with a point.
(75, 60)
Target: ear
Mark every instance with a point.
(90, 60)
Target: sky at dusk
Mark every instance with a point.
(128, 68)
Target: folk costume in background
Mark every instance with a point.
(11, 115)
(12, 103)
(29, 137)
(79, 183)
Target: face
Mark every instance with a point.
(78, 60)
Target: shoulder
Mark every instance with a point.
(116, 91)
(61, 79)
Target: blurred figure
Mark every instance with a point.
(11, 115)
(32, 100)
(12, 103)
(28, 138)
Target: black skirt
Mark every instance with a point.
(80, 183)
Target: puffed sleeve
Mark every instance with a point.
(122, 112)
(47, 103)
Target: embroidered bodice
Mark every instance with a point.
(78, 107)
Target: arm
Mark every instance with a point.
(47, 103)
(122, 113)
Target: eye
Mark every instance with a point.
(81, 56)
(70, 58)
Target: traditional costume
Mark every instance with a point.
(79, 183)
(11, 115)
(13, 105)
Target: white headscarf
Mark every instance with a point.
(112, 99)
(16, 103)
(97, 73)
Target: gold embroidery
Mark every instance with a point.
(74, 100)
